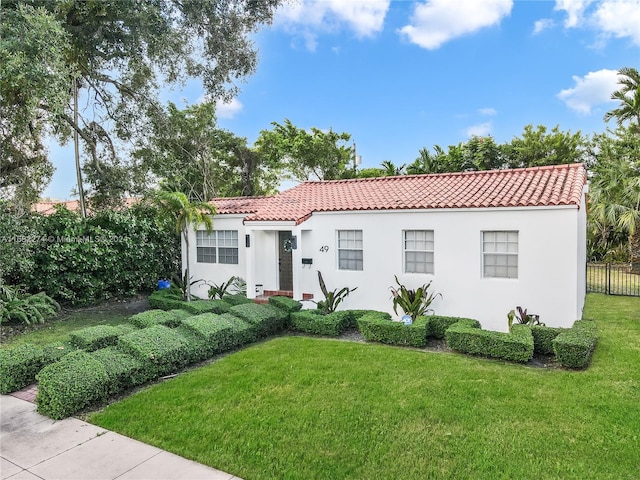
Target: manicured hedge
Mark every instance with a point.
(162, 349)
(170, 318)
(241, 332)
(285, 303)
(68, 386)
(19, 366)
(438, 325)
(516, 346)
(377, 328)
(574, 347)
(167, 300)
(543, 337)
(266, 318)
(313, 321)
(123, 370)
(56, 350)
(236, 299)
(93, 338)
(216, 331)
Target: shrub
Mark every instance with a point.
(313, 321)
(123, 370)
(241, 333)
(125, 328)
(19, 366)
(332, 298)
(53, 352)
(170, 318)
(93, 338)
(266, 318)
(162, 349)
(574, 347)
(414, 303)
(196, 307)
(236, 299)
(543, 338)
(164, 299)
(167, 300)
(438, 325)
(377, 328)
(16, 306)
(285, 303)
(516, 346)
(356, 314)
(73, 383)
(216, 331)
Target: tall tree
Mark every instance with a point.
(390, 169)
(185, 214)
(615, 187)
(629, 97)
(119, 52)
(428, 162)
(538, 147)
(306, 155)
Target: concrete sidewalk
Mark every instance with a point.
(34, 447)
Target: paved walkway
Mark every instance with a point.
(34, 447)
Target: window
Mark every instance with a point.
(418, 251)
(500, 254)
(219, 244)
(350, 249)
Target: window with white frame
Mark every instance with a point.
(418, 251)
(350, 250)
(218, 246)
(500, 254)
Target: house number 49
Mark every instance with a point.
(324, 248)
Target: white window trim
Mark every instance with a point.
(338, 249)
(506, 254)
(404, 252)
(214, 234)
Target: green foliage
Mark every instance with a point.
(110, 254)
(163, 350)
(25, 308)
(242, 332)
(516, 346)
(123, 371)
(73, 383)
(170, 318)
(267, 319)
(332, 298)
(315, 322)
(629, 97)
(168, 300)
(217, 332)
(285, 303)
(523, 318)
(543, 338)
(237, 299)
(305, 155)
(19, 366)
(414, 303)
(234, 285)
(54, 351)
(537, 148)
(93, 338)
(438, 325)
(575, 346)
(376, 328)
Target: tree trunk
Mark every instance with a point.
(186, 276)
(76, 145)
(634, 250)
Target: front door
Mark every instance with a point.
(285, 263)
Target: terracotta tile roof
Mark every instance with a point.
(47, 207)
(525, 187)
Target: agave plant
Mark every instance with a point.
(414, 303)
(332, 298)
(25, 308)
(523, 317)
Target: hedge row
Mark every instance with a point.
(313, 321)
(543, 337)
(516, 346)
(574, 347)
(170, 318)
(379, 328)
(83, 378)
(168, 300)
(93, 338)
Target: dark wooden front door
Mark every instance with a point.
(285, 263)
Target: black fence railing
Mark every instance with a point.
(612, 279)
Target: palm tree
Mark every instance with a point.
(629, 97)
(177, 206)
(391, 170)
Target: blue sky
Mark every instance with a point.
(402, 75)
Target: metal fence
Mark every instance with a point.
(612, 279)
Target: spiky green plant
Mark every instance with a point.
(332, 298)
(414, 303)
(25, 308)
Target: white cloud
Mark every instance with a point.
(575, 11)
(308, 18)
(593, 89)
(487, 111)
(228, 109)
(542, 24)
(619, 18)
(479, 130)
(435, 22)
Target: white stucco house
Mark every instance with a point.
(489, 241)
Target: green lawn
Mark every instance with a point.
(60, 328)
(310, 408)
